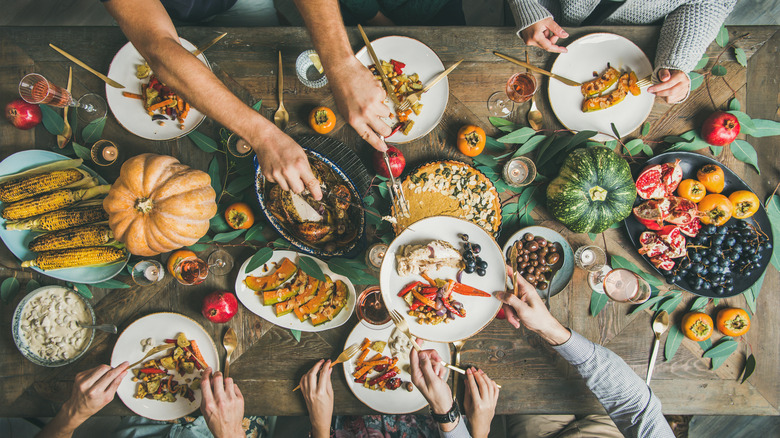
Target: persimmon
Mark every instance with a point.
(716, 209)
(322, 119)
(697, 326)
(745, 203)
(471, 140)
(692, 190)
(712, 177)
(733, 321)
(239, 216)
(178, 255)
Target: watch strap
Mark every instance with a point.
(451, 415)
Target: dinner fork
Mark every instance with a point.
(645, 81)
(403, 327)
(152, 352)
(415, 97)
(343, 357)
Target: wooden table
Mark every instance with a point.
(269, 361)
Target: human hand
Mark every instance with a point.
(545, 33)
(93, 389)
(674, 85)
(318, 392)
(360, 98)
(222, 405)
(428, 376)
(527, 308)
(284, 162)
(480, 403)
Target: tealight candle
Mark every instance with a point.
(104, 152)
(110, 152)
(243, 147)
(375, 255)
(519, 172)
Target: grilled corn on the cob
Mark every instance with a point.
(62, 219)
(22, 188)
(76, 257)
(50, 202)
(87, 235)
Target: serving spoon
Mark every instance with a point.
(281, 117)
(108, 328)
(660, 324)
(230, 342)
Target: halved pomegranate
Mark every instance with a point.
(649, 185)
(647, 237)
(662, 262)
(673, 237)
(691, 229)
(652, 213)
(652, 245)
(671, 176)
(681, 210)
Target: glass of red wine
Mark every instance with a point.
(190, 271)
(519, 88)
(36, 89)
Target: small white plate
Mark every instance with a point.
(160, 326)
(480, 311)
(592, 53)
(253, 302)
(399, 401)
(562, 278)
(419, 59)
(130, 113)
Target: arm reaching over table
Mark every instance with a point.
(627, 399)
(222, 405)
(148, 26)
(358, 95)
(317, 391)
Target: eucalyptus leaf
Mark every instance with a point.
(615, 130)
(744, 152)
(508, 128)
(751, 295)
(255, 233)
(229, 236)
(83, 290)
(734, 105)
(311, 268)
(705, 344)
(493, 144)
(593, 237)
(718, 361)
(486, 160)
(203, 142)
(702, 62)
(671, 303)
(81, 151)
(750, 366)
(724, 348)
(198, 247)
(597, 302)
(699, 303)
(8, 289)
(697, 79)
(32, 285)
(530, 145)
(765, 128)
(257, 105)
(558, 145)
(52, 121)
(93, 131)
(650, 302)
(647, 149)
(645, 128)
(716, 150)
(739, 53)
(112, 284)
(634, 146)
(746, 125)
(260, 258)
(673, 341)
(296, 334)
(517, 136)
(499, 122)
(718, 70)
(723, 36)
(213, 172)
(239, 184)
(773, 212)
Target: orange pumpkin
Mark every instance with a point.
(158, 204)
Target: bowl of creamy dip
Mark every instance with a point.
(46, 327)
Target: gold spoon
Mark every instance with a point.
(534, 116)
(67, 132)
(281, 117)
(230, 342)
(660, 324)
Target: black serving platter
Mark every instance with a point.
(691, 162)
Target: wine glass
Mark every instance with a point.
(519, 88)
(220, 262)
(190, 271)
(36, 89)
(147, 272)
(625, 286)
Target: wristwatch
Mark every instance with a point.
(450, 417)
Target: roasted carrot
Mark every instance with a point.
(361, 358)
(196, 352)
(428, 279)
(159, 105)
(132, 95)
(362, 371)
(365, 344)
(180, 105)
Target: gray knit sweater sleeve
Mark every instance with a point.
(528, 12)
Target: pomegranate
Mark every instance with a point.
(652, 246)
(671, 176)
(649, 185)
(501, 313)
(647, 237)
(681, 210)
(691, 229)
(673, 237)
(720, 128)
(652, 213)
(662, 262)
(23, 115)
(219, 306)
(397, 162)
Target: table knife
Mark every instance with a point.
(385, 81)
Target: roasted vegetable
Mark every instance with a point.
(76, 257)
(87, 235)
(601, 83)
(61, 219)
(611, 99)
(46, 178)
(47, 202)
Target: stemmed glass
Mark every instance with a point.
(36, 89)
(519, 88)
(190, 271)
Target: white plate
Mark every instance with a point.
(563, 277)
(480, 311)
(253, 302)
(130, 113)
(592, 53)
(419, 59)
(17, 240)
(160, 326)
(399, 401)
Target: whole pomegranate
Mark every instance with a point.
(720, 128)
(23, 115)
(397, 162)
(219, 306)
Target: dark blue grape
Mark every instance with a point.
(481, 272)
(724, 263)
(468, 255)
(747, 273)
(719, 290)
(718, 240)
(709, 229)
(713, 258)
(476, 248)
(482, 264)
(721, 230)
(728, 288)
(737, 248)
(731, 241)
(471, 264)
(469, 269)
(696, 257)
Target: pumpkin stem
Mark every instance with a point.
(597, 194)
(144, 205)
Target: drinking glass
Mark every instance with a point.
(36, 89)
(147, 272)
(220, 262)
(190, 271)
(104, 152)
(625, 286)
(519, 88)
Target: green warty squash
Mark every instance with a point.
(593, 191)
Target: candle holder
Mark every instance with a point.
(307, 72)
(104, 152)
(147, 272)
(238, 147)
(375, 255)
(519, 172)
(371, 308)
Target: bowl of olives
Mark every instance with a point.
(541, 255)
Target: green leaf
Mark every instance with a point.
(255, 233)
(508, 128)
(719, 70)
(718, 361)
(492, 143)
(715, 302)
(227, 237)
(696, 80)
(702, 62)
(593, 237)
(614, 129)
(486, 160)
(529, 145)
(744, 152)
(198, 247)
(725, 347)
(213, 172)
(8, 289)
(699, 303)
(52, 121)
(239, 184)
(645, 128)
(750, 366)
(259, 259)
(673, 341)
(296, 334)
(257, 105)
(739, 53)
(203, 142)
(83, 290)
(620, 262)
(647, 304)
(81, 151)
(499, 122)
(32, 285)
(93, 131)
(734, 104)
(611, 144)
(647, 150)
(746, 125)
(773, 212)
(705, 344)
(671, 303)
(688, 141)
(716, 150)
(765, 128)
(310, 267)
(634, 146)
(723, 36)
(597, 302)
(518, 136)
(751, 294)
(112, 284)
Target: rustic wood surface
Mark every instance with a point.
(269, 361)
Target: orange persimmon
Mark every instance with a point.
(716, 209)
(712, 177)
(697, 326)
(239, 216)
(178, 255)
(471, 140)
(322, 119)
(692, 190)
(745, 203)
(733, 321)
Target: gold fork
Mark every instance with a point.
(153, 351)
(645, 81)
(403, 327)
(458, 346)
(343, 357)
(415, 97)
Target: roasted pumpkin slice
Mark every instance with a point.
(611, 99)
(304, 295)
(601, 83)
(284, 271)
(632, 86)
(334, 305)
(287, 291)
(313, 305)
